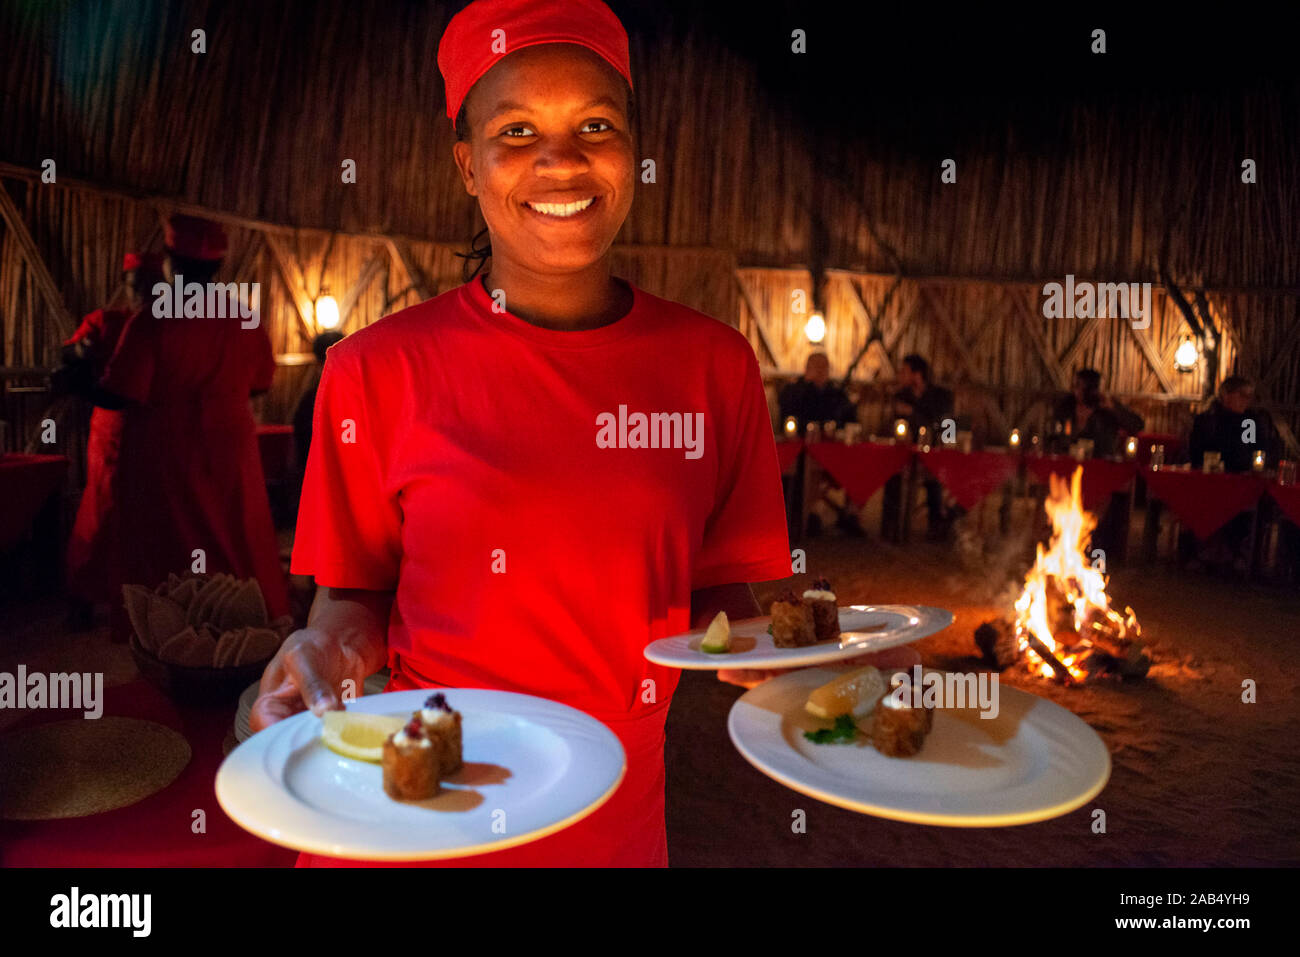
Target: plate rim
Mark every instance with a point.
(807, 656)
(1009, 819)
(296, 840)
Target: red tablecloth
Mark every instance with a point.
(275, 443)
(863, 468)
(1204, 503)
(1101, 478)
(969, 476)
(787, 453)
(155, 831)
(1287, 498)
(26, 483)
(1174, 446)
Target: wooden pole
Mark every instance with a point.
(40, 274)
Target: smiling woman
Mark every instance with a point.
(547, 150)
(465, 516)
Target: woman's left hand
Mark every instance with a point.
(902, 658)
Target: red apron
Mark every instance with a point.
(626, 831)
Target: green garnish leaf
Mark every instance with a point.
(846, 729)
(769, 629)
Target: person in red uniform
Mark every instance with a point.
(93, 572)
(471, 517)
(189, 475)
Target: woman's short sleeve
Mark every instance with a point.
(349, 522)
(746, 539)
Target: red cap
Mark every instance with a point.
(137, 260)
(195, 238)
(471, 46)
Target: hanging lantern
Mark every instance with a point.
(1187, 356)
(327, 313)
(815, 328)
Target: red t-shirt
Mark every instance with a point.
(457, 459)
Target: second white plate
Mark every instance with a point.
(1033, 761)
(864, 629)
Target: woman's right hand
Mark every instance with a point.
(308, 671)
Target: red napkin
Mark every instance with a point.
(1205, 503)
(787, 453)
(861, 469)
(969, 476)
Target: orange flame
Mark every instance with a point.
(1067, 571)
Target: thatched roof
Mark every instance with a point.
(1125, 167)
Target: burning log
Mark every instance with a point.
(1040, 649)
(996, 640)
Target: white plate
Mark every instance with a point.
(375, 684)
(532, 767)
(1032, 762)
(863, 629)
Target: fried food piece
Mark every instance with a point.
(411, 764)
(899, 729)
(792, 622)
(826, 613)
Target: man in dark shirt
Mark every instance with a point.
(918, 399)
(922, 403)
(1235, 429)
(1085, 412)
(814, 398)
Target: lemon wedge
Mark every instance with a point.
(855, 692)
(357, 735)
(718, 638)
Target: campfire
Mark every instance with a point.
(1064, 627)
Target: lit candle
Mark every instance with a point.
(900, 428)
(791, 425)
(1259, 462)
(1015, 438)
(1131, 449)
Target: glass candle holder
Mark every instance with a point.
(1131, 449)
(1013, 440)
(791, 427)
